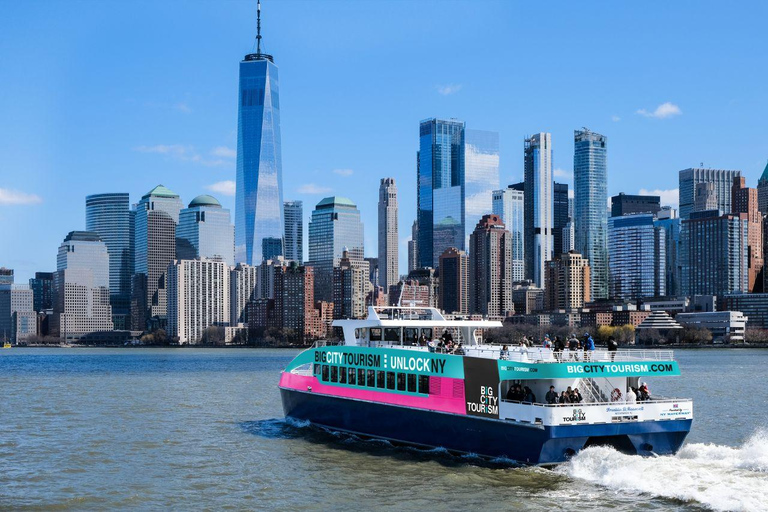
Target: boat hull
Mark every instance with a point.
(520, 442)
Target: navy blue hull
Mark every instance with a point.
(528, 444)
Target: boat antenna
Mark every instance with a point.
(400, 299)
(258, 26)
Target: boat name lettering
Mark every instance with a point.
(624, 409)
(619, 368)
(419, 364)
(348, 358)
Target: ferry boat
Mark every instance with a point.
(381, 381)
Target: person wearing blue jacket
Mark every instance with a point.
(589, 346)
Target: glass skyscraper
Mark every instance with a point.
(109, 215)
(539, 207)
(560, 217)
(294, 231)
(205, 231)
(509, 205)
(457, 170)
(637, 253)
(334, 227)
(590, 180)
(259, 194)
(721, 180)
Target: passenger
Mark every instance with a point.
(643, 395)
(559, 347)
(511, 393)
(564, 398)
(551, 395)
(422, 341)
(576, 397)
(459, 350)
(589, 346)
(547, 343)
(529, 396)
(573, 347)
(519, 393)
(612, 348)
(504, 353)
(631, 397)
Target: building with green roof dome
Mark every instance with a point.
(205, 231)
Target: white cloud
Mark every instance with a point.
(663, 111)
(344, 172)
(224, 152)
(448, 89)
(225, 188)
(8, 196)
(562, 173)
(311, 188)
(615, 119)
(669, 197)
(166, 149)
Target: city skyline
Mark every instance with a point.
(177, 126)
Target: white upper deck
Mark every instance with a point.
(402, 327)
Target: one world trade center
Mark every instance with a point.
(259, 193)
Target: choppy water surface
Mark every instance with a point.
(165, 428)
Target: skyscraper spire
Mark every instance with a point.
(258, 26)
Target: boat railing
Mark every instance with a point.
(327, 343)
(657, 400)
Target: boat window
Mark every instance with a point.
(412, 382)
(352, 380)
(411, 335)
(360, 377)
(424, 384)
(334, 373)
(427, 332)
(325, 372)
(371, 379)
(316, 369)
(401, 382)
(342, 375)
(380, 379)
(390, 380)
(375, 333)
(392, 334)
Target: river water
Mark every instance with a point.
(202, 428)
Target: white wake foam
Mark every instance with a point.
(714, 476)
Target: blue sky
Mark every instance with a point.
(120, 96)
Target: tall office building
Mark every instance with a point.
(721, 179)
(259, 185)
(490, 268)
(413, 248)
(81, 287)
(243, 282)
(335, 225)
(198, 298)
(155, 220)
(627, 204)
(706, 197)
(568, 282)
(349, 288)
(714, 251)
(454, 284)
(539, 208)
(42, 290)
(457, 171)
(762, 192)
(295, 300)
(569, 237)
(509, 205)
(205, 231)
(109, 215)
(6, 275)
(668, 220)
(15, 299)
(744, 202)
(590, 179)
(388, 237)
(560, 216)
(293, 212)
(636, 256)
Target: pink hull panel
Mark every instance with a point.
(451, 400)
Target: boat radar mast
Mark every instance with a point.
(258, 55)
